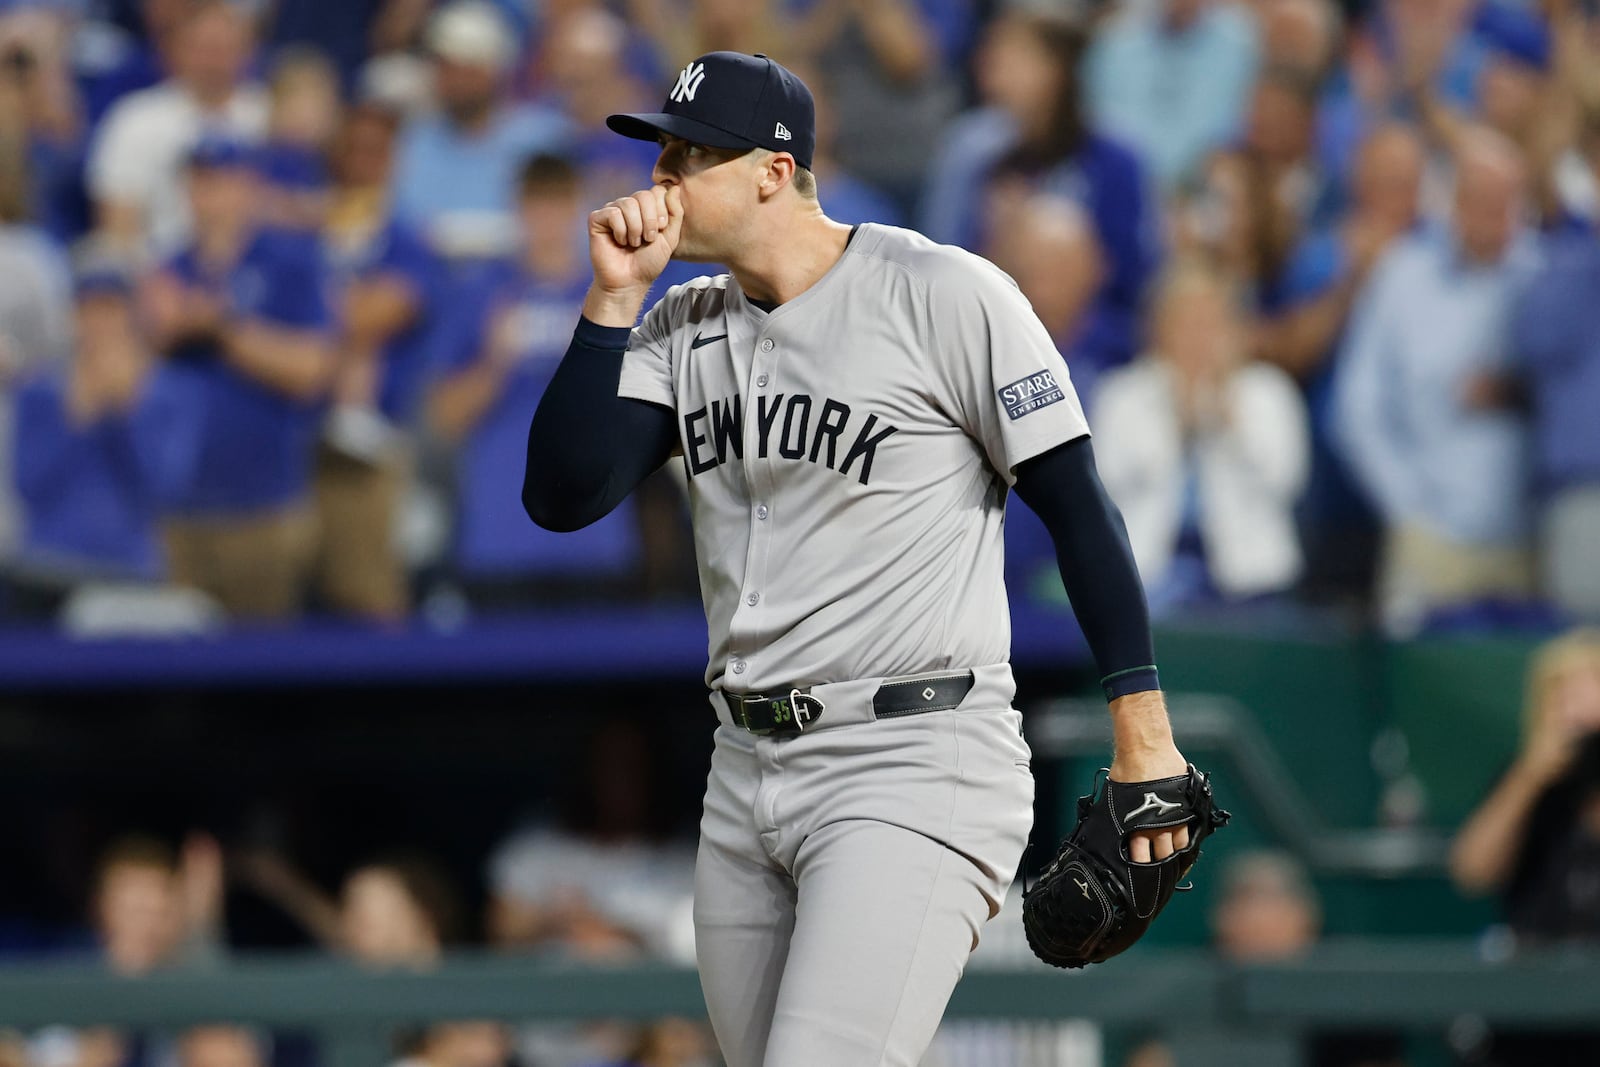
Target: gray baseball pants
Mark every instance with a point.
(842, 879)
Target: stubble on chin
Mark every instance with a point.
(690, 250)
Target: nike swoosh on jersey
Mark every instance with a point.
(698, 340)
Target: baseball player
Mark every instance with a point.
(852, 406)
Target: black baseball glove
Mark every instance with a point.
(1092, 902)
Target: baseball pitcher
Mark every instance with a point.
(852, 407)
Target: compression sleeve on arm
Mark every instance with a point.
(588, 447)
(1096, 561)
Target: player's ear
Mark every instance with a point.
(776, 172)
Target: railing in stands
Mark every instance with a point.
(1226, 1014)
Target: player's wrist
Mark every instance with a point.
(1141, 731)
(606, 306)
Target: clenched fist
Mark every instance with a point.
(632, 238)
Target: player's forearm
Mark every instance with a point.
(587, 447)
(1097, 565)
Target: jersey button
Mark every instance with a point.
(738, 666)
(768, 345)
(753, 599)
(761, 511)
(761, 381)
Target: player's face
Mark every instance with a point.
(718, 190)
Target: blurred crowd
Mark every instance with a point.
(285, 280)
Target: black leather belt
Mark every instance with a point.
(792, 712)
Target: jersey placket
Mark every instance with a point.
(744, 631)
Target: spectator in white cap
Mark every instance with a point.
(455, 177)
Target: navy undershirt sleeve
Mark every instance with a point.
(588, 448)
(1096, 561)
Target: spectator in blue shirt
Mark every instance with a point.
(305, 113)
(1513, 94)
(1326, 268)
(1035, 138)
(40, 106)
(88, 441)
(495, 365)
(1556, 337)
(1172, 78)
(386, 292)
(455, 177)
(1417, 415)
(1261, 195)
(35, 311)
(1324, 274)
(1404, 53)
(242, 320)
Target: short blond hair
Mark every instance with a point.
(1554, 659)
(805, 182)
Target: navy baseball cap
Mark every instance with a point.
(731, 100)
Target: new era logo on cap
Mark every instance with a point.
(731, 100)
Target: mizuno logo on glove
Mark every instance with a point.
(1152, 803)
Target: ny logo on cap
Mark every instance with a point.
(689, 80)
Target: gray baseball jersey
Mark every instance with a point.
(849, 455)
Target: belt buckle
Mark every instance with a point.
(742, 704)
(804, 709)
